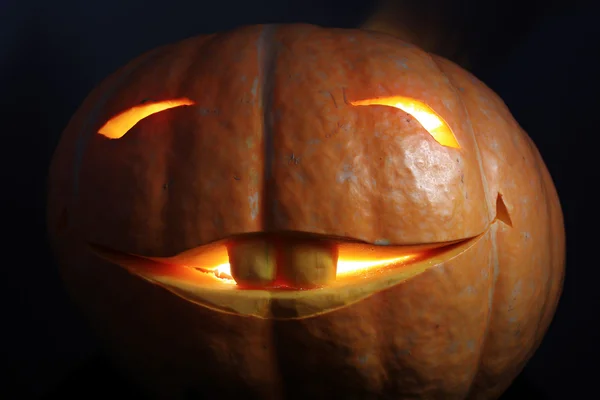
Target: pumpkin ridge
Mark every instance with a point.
(492, 227)
(484, 181)
(495, 270)
(267, 59)
(548, 232)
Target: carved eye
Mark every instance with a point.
(425, 115)
(120, 124)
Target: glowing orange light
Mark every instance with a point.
(350, 267)
(427, 117)
(223, 272)
(355, 259)
(120, 124)
(345, 267)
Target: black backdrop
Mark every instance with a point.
(540, 57)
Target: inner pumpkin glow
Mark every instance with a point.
(119, 125)
(425, 115)
(345, 267)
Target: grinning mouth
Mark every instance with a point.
(217, 276)
(282, 261)
(354, 261)
(204, 277)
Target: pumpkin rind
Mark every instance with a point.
(344, 171)
(530, 254)
(273, 144)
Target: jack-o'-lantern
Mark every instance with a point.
(299, 212)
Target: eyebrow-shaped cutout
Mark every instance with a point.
(425, 115)
(120, 124)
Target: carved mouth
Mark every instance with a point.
(218, 276)
(362, 270)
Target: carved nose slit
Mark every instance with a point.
(266, 262)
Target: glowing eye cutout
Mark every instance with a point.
(119, 125)
(429, 119)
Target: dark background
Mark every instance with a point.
(541, 57)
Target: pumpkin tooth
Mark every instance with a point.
(309, 264)
(252, 262)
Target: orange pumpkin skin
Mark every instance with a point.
(273, 144)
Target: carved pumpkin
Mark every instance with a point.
(299, 212)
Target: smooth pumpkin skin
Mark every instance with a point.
(273, 144)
